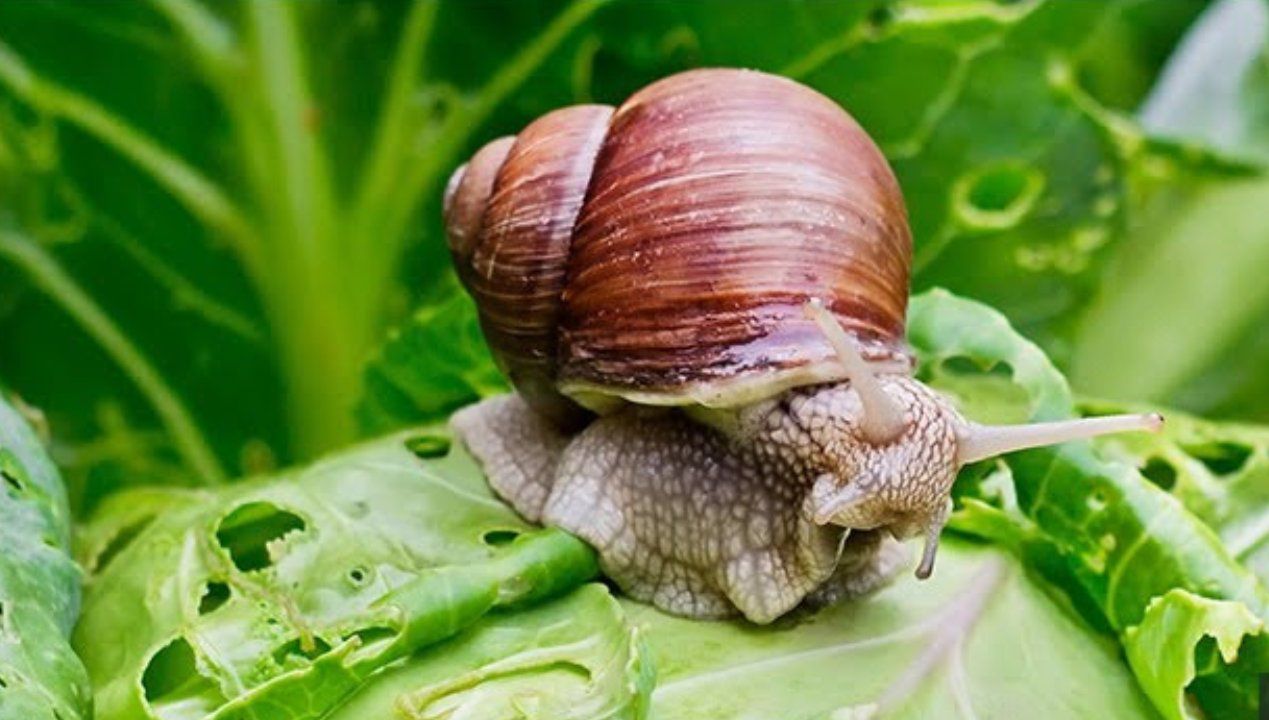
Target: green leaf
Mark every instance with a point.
(1113, 541)
(40, 677)
(979, 639)
(1179, 621)
(285, 597)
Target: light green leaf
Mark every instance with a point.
(40, 677)
(978, 640)
(283, 597)
(1162, 647)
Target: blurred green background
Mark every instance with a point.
(212, 214)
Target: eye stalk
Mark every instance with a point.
(883, 417)
(891, 490)
(979, 442)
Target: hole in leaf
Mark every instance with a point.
(12, 481)
(498, 538)
(12, 473)
(359, 576)
(215, 594)
(997, 196)
(429, 445)
(985, 391)
(296, 649)
(965, 365)
(246, 533)
(119, 543)
(372, 639)
(1097, 500)
(997, 189)
(880, 16)
(1222, 458)
(171, 678)
(1160, 472)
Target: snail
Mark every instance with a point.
(699, 298)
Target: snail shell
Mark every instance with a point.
(661, 253)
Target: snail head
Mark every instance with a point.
(895, 447)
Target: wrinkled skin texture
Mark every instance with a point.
(757, 512)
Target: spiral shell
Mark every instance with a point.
(662, 252)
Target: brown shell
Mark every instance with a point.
(718, 203)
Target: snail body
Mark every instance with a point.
(699, 297)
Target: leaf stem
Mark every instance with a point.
(46, 273)
(321, 337)
(392, 131)
(210, 39)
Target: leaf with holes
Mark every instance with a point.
(1216, 628)
(1219, 471)
(1110, 539)
(387, 575)
(40, 677)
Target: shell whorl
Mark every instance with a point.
(662, 252)
(510, 214)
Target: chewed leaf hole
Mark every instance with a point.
(311, 650)
(12, 474)
(359, 576)
(1222, 458)
(985, 391)
(120, 542)
(247, 532)
(12, 482)
(964, 365)
(498, 538)
(429, 445)
(172, 678)
(371, 640)
(1160, 472)
(1096, 500)
(997, 196)
(215, 594)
